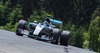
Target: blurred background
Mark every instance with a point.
(80, 17)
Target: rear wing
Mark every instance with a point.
(57, 22)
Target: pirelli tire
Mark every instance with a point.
(20, 27)
(55, 35)
(64, 38)
(18, 32)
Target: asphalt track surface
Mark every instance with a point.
(11, 43)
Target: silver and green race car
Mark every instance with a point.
(51, 32)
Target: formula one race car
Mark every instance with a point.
(46, 30)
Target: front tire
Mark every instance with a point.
(19, 32)
(55, 35)
(20, 27)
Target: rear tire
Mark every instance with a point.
(64, 38)
(55, 35)
(20, 27)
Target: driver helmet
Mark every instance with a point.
(47, 19)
